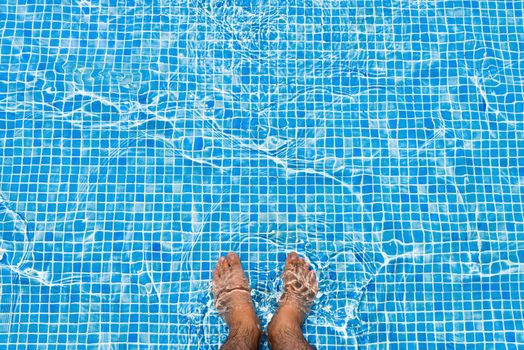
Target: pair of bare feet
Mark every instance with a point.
(234, 305)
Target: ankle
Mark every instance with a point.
(286, 336)
(281, 324)
(289, 315)
(243, 319)
(243, 336)
(245, 326)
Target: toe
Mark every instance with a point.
(233, 259)
(299, 263)
(221, 267)
(292, 263)
(312, 279)
(218, 277)
(306, 266)
(216, 274)
(291, 257)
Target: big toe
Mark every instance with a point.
(233, 260)
(296, 264)
(291, 258)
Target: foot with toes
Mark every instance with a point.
(300, 288)
(234, 304)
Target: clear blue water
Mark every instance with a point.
(140, 140)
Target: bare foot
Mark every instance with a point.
(300, 288)
(233, 301)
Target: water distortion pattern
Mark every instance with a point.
(140, 140)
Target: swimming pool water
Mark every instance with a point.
(140, 140)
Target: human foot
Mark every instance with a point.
(233, 302)
(300, 288)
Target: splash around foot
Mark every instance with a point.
(300, 289)
(300, 284)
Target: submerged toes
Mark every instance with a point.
(300, 283)
(233, 259)
(229, 276)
